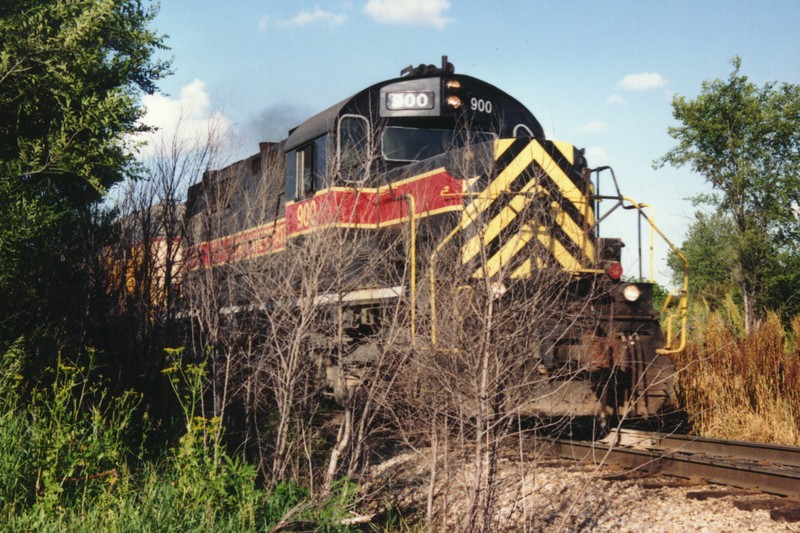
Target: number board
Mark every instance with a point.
(410, 100)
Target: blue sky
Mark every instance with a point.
(600, 75)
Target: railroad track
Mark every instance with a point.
(765, 468)
(785, 456)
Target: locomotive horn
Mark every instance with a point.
(447, 67)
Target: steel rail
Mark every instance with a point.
(750, 451)
(735, 449)
(770, 480)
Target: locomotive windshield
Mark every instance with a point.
(414, 144)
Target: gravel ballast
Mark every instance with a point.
(557, 495)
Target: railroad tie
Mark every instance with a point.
(703, 495)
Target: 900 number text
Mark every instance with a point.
(480, 105)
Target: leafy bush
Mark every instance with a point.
(71, 457)
(65, 443)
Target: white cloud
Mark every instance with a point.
(615, 99)
(410, 12)
(189, 119)
(304, 18)
(318, 16)
(642, 82)
(597, 155)
(593, 127)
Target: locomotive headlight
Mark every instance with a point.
(497, 289)
(453, 101)
(631, 293)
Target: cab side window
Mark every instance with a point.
(354, 148)
(304, 171)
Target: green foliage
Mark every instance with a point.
(205, 477)
(745, 142)
(65, 444)
(709, 248)
(47, 270)
(285, 498)
(660, 294)
(69, 455)
(71, 74)
(72, 458)
(782, 286)
(336, 506)
(14, 429)
(11, 367)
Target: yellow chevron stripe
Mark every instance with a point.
(558, 251)
(500, 183)
(574, 195)
(500, 146)
(508, 250)
(485, 197)
(574, 232)
(516, 243)
(567, 150)
(518, 203)
(490, 231)
(524, 270)
(568, 189)
(509, 212)
(525, 234)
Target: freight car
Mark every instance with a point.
(464, 174)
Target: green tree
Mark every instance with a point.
(711, 256)
(783, 283)
(71, 76)
(745, 141)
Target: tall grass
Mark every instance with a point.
(73, 458)
(739, 386)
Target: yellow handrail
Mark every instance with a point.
(682, 308)
(412, 209)
(432, 279)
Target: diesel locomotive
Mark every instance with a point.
(465, 174)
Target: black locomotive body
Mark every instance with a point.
(463, 172)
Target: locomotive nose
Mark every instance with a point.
(532, 212)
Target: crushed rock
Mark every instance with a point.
(559, 495)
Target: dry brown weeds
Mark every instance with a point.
(742, 387)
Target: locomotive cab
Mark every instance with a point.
(396, 123)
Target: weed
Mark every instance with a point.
(742, 387)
